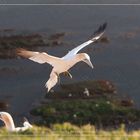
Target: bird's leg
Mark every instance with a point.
(66, 73)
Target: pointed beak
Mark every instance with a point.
(26, 123)
(87, 61)
(25, 119)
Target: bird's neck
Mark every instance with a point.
(77, 58)
(9, 123)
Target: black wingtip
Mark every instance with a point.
(101, 29)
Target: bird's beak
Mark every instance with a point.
(25, 119)
(87, 61)
(27, 123)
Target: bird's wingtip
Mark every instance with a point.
(101, 28)
(47, 88)
(104, 25)
(20, 51)
(99, 32)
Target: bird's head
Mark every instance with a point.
(86, 58)
(26, 123)
(4, 116)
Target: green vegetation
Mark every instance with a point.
(101, 113)
(67, 131)
(100, 107)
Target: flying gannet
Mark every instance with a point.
(9, 123)
(62, 64)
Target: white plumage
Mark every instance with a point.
(63, 64)
(9, 123)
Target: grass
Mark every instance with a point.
(102, 107)
(89, 117)
(67, 131)
(80, 116)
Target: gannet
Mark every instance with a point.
(9, 123)
(62, 64)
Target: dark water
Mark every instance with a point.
(119, 61)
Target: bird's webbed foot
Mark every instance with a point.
(66, 73)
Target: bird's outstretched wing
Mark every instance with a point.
(97, 34)
(52, 81)
(39, 57)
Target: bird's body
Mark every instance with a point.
(63, 64)
(9, 123)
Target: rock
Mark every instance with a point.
(84, 89)
(10, 40)
(127, 102)
(3, 105)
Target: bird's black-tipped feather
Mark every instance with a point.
(100, 29)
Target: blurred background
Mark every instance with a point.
(116, 57)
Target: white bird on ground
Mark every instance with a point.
(63, 64)
(9, 123)
(86, 92)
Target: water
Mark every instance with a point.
(117, 61)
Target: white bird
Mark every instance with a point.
(63, 64)
(9, 123)
(86, 92)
